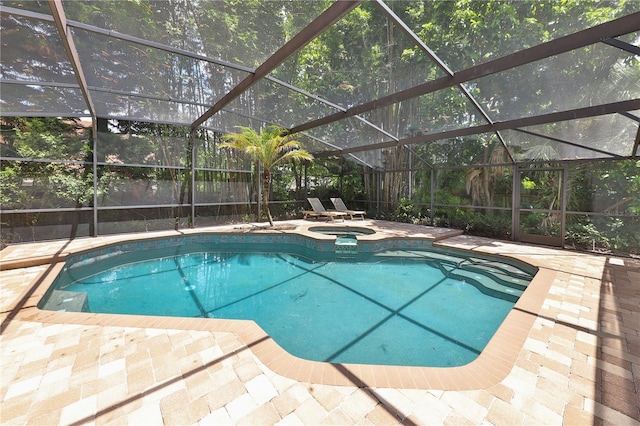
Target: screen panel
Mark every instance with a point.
(235, 31)
(32, 51)
(350, 132)
(481, 31)
(41, 101)
(362, 57)
(594, 75)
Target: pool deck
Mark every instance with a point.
(568, 354)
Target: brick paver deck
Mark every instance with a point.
(577, 363)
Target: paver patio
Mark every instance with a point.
(579, 364)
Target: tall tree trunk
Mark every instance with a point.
(255, 185)
(266, 187)
(297, 174)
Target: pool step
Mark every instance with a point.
(490, 277)
(67, 301)
(485, 282)
(509, 279)
(504, 273)
(346, 246)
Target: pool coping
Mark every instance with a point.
(489, 368)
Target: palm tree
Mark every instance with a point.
(271, 147)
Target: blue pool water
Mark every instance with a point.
(409, 306)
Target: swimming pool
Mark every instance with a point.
(408, 304)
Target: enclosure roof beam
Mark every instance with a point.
(608, 30)
(327, 18)
(60, 20)
(623, 45)
(360, 161)
(593, 111)
(353, 157)
(630, 116)
(7, 10)
(565, 142)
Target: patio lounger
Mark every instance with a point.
(341, 207)
(319, 210)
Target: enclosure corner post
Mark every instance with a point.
(515, 204)
(94, 165)
(192, 195)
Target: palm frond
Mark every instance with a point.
(272, 146)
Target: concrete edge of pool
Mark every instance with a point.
(491, 366)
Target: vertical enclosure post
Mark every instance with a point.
(563, 204)
(94, 166)
(515, 203)
(432, 196)
(192, 190)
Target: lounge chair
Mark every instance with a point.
(319, 210)
(341, 207)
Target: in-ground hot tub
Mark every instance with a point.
(339, 231)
